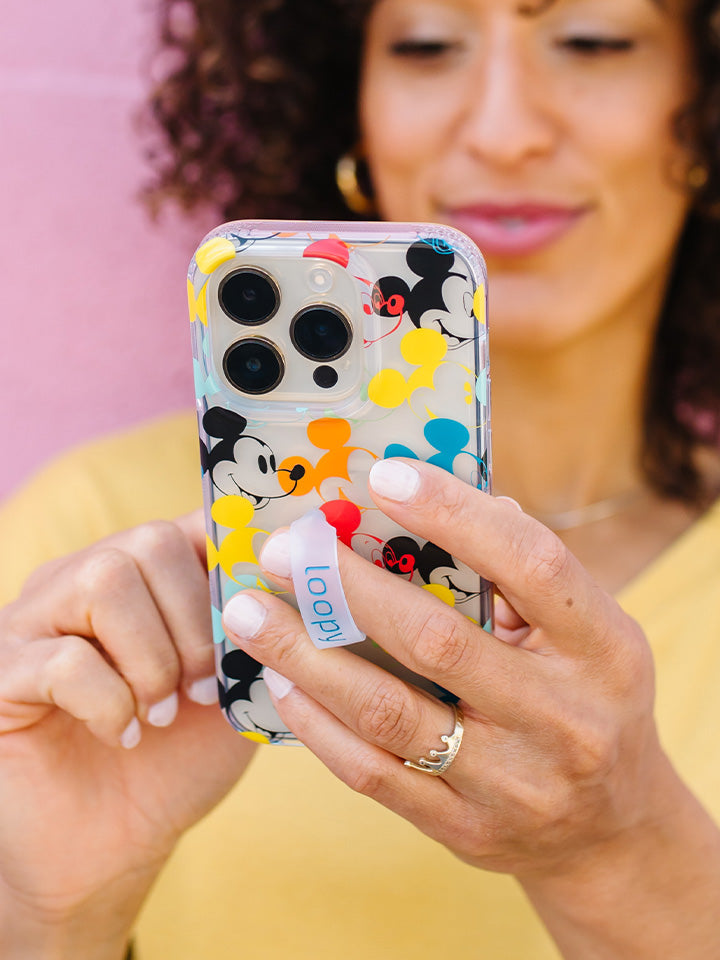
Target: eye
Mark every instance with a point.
(429, 49)
(589, 46)
(395, 305)
(263, 464)
(272, 463)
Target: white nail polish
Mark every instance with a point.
(132, 734)
(394, 480)
(275, 555)
(278, 685)
(243, 616)
(510, 500)
(163, 713)
(203, 691)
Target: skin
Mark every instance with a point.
(520, 107)
(560, 779)
(543, 107)
(96, 639)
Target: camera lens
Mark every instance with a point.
(249, 296)
(321, 333)
(254, 366)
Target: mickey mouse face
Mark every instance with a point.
(457, 577)
(248, 702)
(257, 714)
(404, 556)
(440, 300)
(251, 472)
(244, 465)
(451, 319)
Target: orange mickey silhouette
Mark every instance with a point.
(327, 433)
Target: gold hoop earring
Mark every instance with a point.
(697, 177)
(348, 183)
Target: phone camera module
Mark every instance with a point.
(321, 333)
(254, 366)
(249, 296)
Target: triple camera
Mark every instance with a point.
(319, 332)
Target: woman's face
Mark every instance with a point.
(546, 135)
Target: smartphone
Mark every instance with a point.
(318, 348)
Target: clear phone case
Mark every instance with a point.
(318, 349)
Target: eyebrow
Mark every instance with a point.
(534, 9)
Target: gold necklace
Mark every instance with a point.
(590, 513)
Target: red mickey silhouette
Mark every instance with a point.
(345, 516)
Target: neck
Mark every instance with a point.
(567, 421)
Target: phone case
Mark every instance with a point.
(413, 381)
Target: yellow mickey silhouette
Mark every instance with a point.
(479, 304)
(214, 252)
(423, 349)
(197, 304)
(235, 512)
(441, 592)
(254, 736)
(208, 258)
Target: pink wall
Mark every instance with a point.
(94, 327)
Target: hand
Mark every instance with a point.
(560, 755)
(104, 758)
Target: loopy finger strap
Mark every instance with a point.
(316, 580)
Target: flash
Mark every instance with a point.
(320, 279)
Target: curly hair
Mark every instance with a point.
(257, 103)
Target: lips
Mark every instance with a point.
(514, 230)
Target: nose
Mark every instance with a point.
(508, 116)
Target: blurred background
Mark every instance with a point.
(94, 313)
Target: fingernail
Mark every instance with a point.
(275, 555)
(394, 480)
(203, 691)
(163, 713)
(278, 685)
(244, 616)
(510, 500)
(132, 734)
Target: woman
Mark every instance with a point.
(550, 133)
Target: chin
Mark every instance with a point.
(538, 311)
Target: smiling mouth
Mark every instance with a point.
(252, 497)
(256, 499)
(514, 230)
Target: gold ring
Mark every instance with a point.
(438, 761)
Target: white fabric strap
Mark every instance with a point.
(316, 579)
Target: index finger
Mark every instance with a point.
(532, 567)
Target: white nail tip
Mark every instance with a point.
(163, 713)
(244, 616)
(278, 685)
(511, 501)
(132, 734)
(275, 555)
(394, 480)
(204, 692)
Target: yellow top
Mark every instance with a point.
(294, 864)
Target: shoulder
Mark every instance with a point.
(148, 472)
